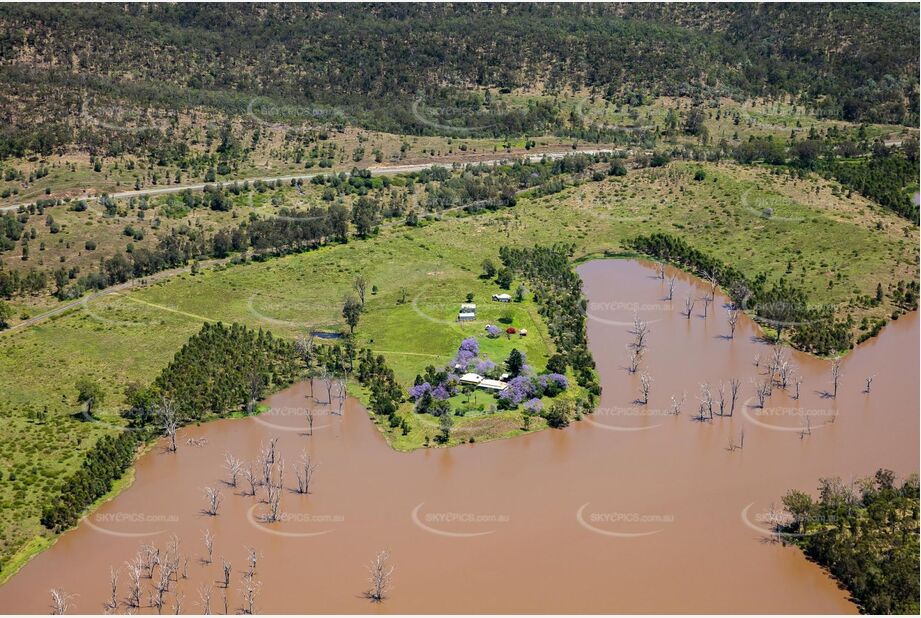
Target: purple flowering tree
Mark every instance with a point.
(493, 331)
(440, 392)
(486, 367)
(418, 390)
(533, 406)
(552, 384)
(462, 361)
(470, 344)
(518, 389)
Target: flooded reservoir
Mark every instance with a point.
(633, 509)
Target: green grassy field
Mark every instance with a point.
(835, 247)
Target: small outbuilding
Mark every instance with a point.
(502, 298)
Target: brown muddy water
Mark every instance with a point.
(630, 510)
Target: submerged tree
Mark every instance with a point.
(732, 316)
(835, 375)
(380, 574)
(60, 601)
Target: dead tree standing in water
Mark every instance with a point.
(721, 398)
(248, 589)
(635, 357)
(151, 558)
(341, 391)
(688, 307)
(213, 498)
(869, 383)
(645, 381)
(706, 399)
(135, 572)
(639, 331)
(796, 384)
(807, 427)
(732, 316)
(177, 602)
(226, 569)
(380, 577)
(677, 403)
(60, 601)
(111, 606)
(835, 376)
(762, 391)
(204, 593)
(785, 373)
(309, 422)
(169, 422)
(208, 539)
(304, 473)
(233, 467)
(251, 479)
(329, 381)
(252, 556)
(660, 270)
(734, 385)
(671, 288)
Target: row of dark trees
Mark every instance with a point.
(220, 370)
(105, 463)
(386, 394)
(780, 305)
(558, 291)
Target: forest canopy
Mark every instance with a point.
(374, 63)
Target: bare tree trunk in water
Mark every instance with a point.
(688, 307)
(204, 593)
(304, 473)
(226, 569)
(645, 382)
(169, 421)
(733, 318)
(213, 498)
(734, 385)
(60, 601)
(248, 589)
(380, 577)
(233, 467)
(111, 606)
(208, 539)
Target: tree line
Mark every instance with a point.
(105, 463)
(558, 292)
(780, 305)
